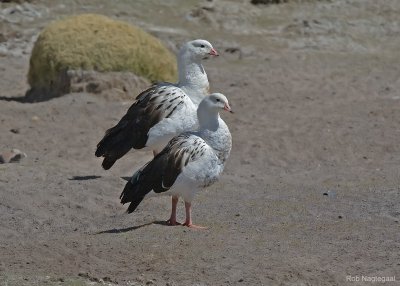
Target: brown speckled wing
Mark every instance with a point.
(160, 174)
(151, 106)
(181, 150)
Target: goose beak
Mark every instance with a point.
(228, 108)
(213, 52)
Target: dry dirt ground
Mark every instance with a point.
(310, 195)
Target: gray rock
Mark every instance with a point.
(12, 156)
(330, 194)
(109, 85)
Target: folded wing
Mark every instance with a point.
(160, 174)
(151, 107)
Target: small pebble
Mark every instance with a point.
(12, 156)
(35, 118)
(330, 194)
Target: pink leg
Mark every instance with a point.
(188, 221)
(172, 219)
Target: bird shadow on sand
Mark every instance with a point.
(34, 95)
(20, 99)
(84, 178)
(132, 228)
(29, 98)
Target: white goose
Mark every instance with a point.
(162, 111)
(191, 161)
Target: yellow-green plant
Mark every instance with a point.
(96, 42)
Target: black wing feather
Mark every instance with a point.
(132, 130)
(160, 174)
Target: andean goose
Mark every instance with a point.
(162, 111)
(191, 161)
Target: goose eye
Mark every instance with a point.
(202, 46)
(218, 100)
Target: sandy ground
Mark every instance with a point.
(310, 195)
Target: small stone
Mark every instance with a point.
(340, 217)
(2, 38)
(232, 50)
(14, 130)
(12, 156)
(35, 118)
(330, 194)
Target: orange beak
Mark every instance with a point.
(213, 52)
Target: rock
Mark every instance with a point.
(35, 118)
(12, 156)
(235, 50)
(14, 130)
(330, 194)
(92, 42)
(201, 15)
(20, 13)
(3, 38)
(108, 279)
(89, 277)
(109, 85)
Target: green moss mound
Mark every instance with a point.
(95, 42)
